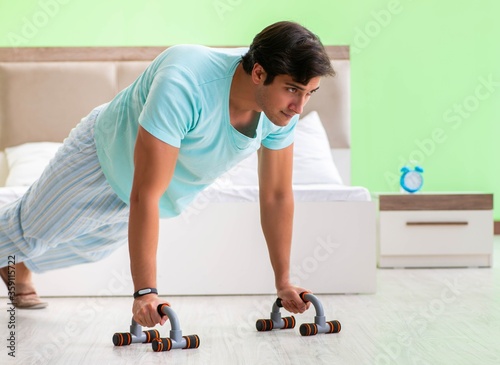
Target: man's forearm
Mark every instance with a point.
(143, 244)
(277, 225)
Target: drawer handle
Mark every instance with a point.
(437, 223)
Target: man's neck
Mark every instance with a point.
(243, 109)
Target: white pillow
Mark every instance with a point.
(312, 158)
(27, 161)
(4, 168)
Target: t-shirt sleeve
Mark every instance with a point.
(280, 137)
(171, 107)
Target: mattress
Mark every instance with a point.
(221, 194)
(302, 193)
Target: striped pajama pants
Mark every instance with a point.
(70, 215)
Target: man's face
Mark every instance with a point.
(284, 98)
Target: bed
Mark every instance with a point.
(207, 250)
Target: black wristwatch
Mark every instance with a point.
(145, 291)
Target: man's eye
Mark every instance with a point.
(292, 89)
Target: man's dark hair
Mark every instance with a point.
(287, 48)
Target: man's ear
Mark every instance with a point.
(259, 75)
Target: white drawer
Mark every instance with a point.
(434, 232)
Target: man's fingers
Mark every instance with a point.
(295, 307)
(292, 301)
(301, 307)
(148, 316)
(151, 320)
(154, 318)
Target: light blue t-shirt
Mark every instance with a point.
(182, 98)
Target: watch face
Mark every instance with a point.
(413, 180)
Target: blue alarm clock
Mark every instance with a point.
(412, 180)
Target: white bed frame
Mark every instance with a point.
(217, 248)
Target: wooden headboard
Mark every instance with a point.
(44, 92)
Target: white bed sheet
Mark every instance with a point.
(222, 193)
(11, 193)
(302, 193)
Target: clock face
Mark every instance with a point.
(413, 180)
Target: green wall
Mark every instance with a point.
(425, 74)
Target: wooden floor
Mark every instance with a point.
(423, 316)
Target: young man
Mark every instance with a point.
(193, 114)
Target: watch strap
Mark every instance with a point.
(145, 291)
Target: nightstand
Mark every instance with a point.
(435, 230)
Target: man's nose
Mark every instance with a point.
(298, 106)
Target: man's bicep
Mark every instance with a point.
(275, 169)
(154, 164)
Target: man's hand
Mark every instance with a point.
(145, 310)
(291, 300)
